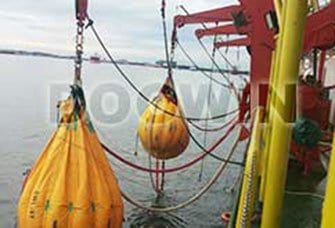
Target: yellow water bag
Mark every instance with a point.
(162, 131)
(71, 184)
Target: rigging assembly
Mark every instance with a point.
(72, 183)
(267, 28)
(164, 129)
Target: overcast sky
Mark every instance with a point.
(132, 28)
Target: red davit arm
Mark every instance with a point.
(248, 19)
(320, 29)
(234, 43)
(220, 30)
(216, 15)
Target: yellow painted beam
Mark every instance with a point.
(270, 102)
(328, 220)
(282, 110)
(278, 7)
(248, 196)
(266, 133)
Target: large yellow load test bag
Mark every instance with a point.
(163, 132)
(72, 183)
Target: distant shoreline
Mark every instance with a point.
(121, 62)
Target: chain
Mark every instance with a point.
(79, 52)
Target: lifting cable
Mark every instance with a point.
(205, 27)
(209, 96)
(159, 184)
(155, 183)
(214, 129)
(140, 93)
(178, 168)
(173, 39)
(232, 87)
(205, 152)
(195, 197)
(204, 149)
(90, 24)
(213, 60)
(197, 67)
(201, 147)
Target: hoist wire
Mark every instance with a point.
(166, 43)
(181, 167)
(213, 60)
(195, 197)
(122, 73)
(202, 147)
(216, 129)
(226, 59)
(155, 182)
(169, 61)
(205, 27)
(232, 87)
(140, 93)
(209, 95)
(163, 176)
(190, 59)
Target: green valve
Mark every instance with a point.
(70, 207)
(47, 205)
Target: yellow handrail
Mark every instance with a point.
(329, 205)
(251, 172)
(278, 6)
(271, 100)
(280, 136)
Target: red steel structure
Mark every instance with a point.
(256, 21)
(248, 19)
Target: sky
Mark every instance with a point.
(131, 28)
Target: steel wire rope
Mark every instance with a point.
(205, 27)
(205, 152)
(223, 126)
(183, 50)
(200, 146)
(232, 86)
(195, 197)
(140, 93)
(178, 168)
(209, 96)
(190, 59)
(213, 60)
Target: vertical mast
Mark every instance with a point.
(283, 108)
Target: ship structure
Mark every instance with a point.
(284, 111)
